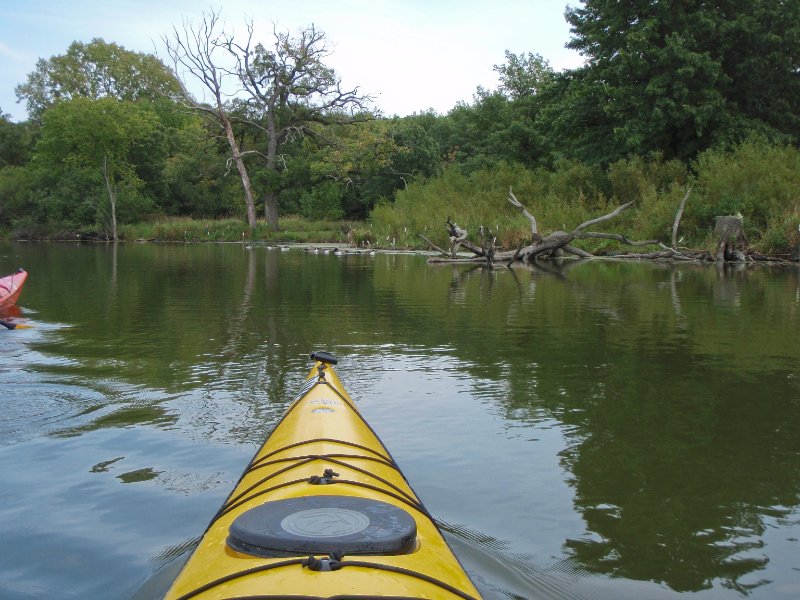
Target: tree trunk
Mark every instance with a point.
(270, 197)
(236, 155)
(271, 210)
(112, 198)
(730, 238)
(192, 52)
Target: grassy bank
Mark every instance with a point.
(758, 182)
(290, 230)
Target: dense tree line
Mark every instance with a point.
(114, 135)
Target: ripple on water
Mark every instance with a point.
(41, 408)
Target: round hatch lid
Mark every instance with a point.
(323, 524)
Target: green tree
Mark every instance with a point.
(96, 70)
(16, 141)
(494, 129)
(678, 77)
(87, 151)
(195, 175)
(417, 151)
(524, 75)
(501, 125)
(373, 159)
(15, 184)
(573, 121)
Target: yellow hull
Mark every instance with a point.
(322, 454)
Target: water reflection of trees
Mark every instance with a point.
(674, 478)
(675, 446)
(673, 383)
(674, 386)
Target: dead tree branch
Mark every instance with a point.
(678, 217)
(444, 253)
(458, 238)
(729, 231)
(617, 237)
(607, 217)
(534, 227)
(554, 244)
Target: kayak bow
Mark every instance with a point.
(11, 286)
(322, 511)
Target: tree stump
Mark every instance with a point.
(731, 239)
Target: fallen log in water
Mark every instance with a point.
(731, 244)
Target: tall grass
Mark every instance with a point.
(184, 229)
(472, 201)
(760, 181)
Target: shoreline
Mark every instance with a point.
(434, 257)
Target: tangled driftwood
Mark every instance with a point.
(730, 246)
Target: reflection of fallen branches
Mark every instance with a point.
(237, 322)
(514, 257)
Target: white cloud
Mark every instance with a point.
(412, 54)
(9, 53)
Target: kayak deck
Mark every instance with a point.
(323, 511)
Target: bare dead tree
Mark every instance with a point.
(433, 245)
(488, 245)
(289, 89)
(457, 237)
(194, 51)
(560, 241)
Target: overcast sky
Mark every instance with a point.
(412, 55)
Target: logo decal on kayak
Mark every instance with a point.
(322, 410)
(325, 402)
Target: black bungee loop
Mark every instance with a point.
(326, 478)
(333, 562)
(256, 461)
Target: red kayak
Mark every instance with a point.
(11, 286)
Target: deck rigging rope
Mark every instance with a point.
(415, 504)
(335, 563)
(256, 462)
(305, 459)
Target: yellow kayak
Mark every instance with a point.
(322, 511)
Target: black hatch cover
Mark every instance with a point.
(323, 524)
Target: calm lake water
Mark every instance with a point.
(584, 430)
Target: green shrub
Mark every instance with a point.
(758, 180)
(323, 202)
